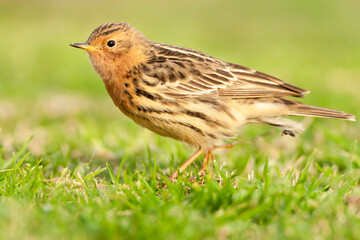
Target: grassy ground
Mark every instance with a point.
(72, 167)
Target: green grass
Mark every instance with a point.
(73, 167)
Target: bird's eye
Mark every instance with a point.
(110, 43)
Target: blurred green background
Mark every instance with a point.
(314, 44)
(311, 44)
(49, 90)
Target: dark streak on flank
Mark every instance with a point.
(194, 114)
(140, 92)
(203, 117)
(226, 110)
(218, 106)
(190, 126)
(135, 82)
(152, 110)
(129, 97)
(211, 135)
(127, 93)
(167, 121)
(141, 109)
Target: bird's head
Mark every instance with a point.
(112, 45)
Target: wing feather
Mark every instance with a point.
(189, 72)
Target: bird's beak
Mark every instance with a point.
(84, 46)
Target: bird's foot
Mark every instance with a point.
(205, 164)
(288, 132)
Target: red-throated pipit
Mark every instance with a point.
(188, 95)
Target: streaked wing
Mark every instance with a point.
(184, 72)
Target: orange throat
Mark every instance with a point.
(111, 68)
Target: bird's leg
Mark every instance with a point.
(209, 155)
(212, 156)
(174, 175)
(205, 163)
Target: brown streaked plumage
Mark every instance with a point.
(188, 95)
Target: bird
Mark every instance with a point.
(191, 96)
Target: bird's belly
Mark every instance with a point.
(194, 134)
(197, 124)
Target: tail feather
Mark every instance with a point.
(301, 109)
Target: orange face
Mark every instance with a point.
(114, 39)
(113, 48)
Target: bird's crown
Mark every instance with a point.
(108, 28)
